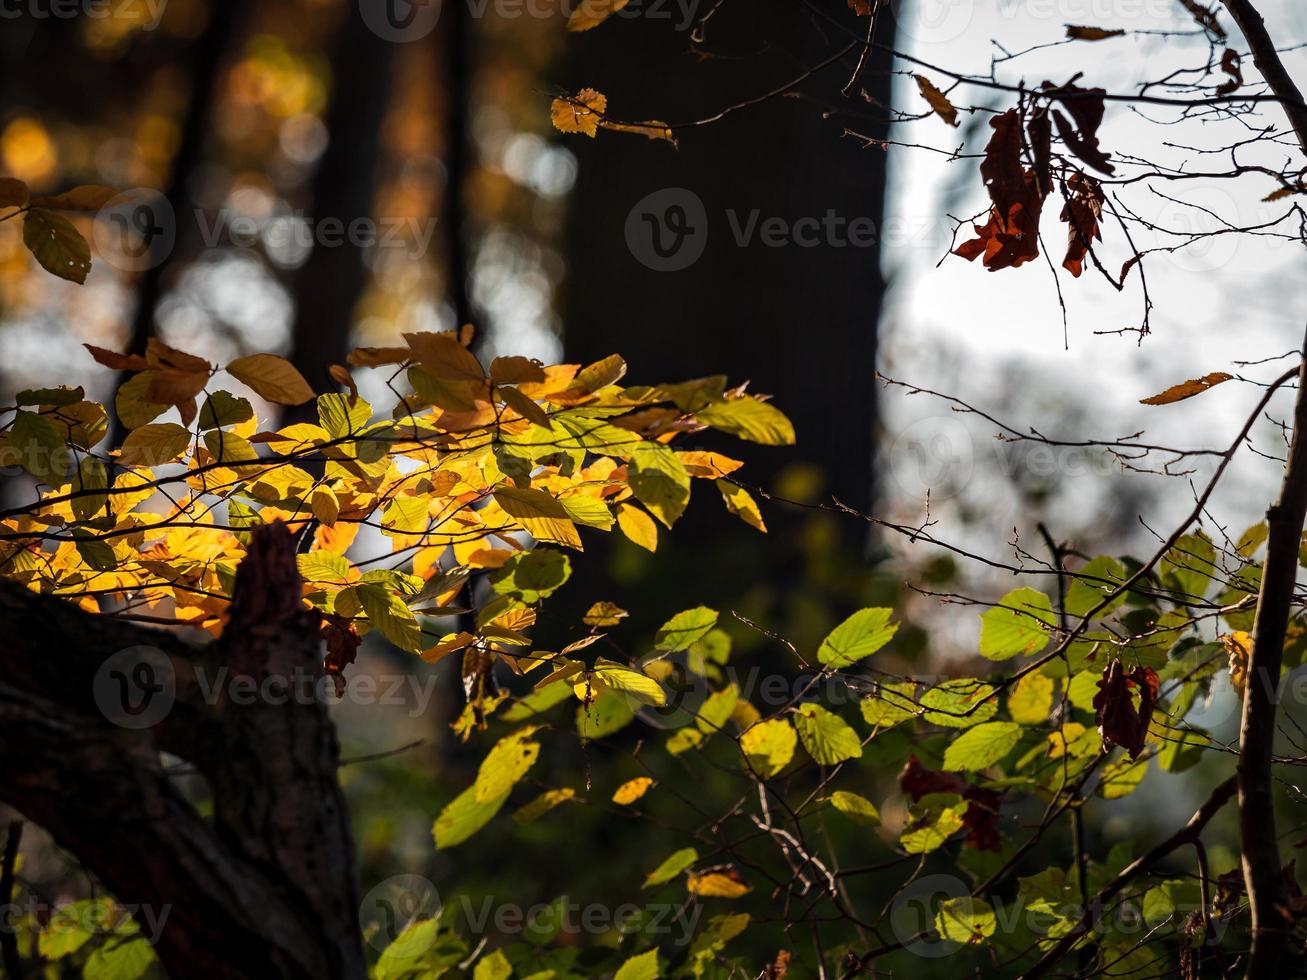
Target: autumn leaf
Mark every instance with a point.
(1076, 32)
(13, 193)
(1230, 64)
(937, 100)
(1082, 212)
(88, 197)
(272, 378)
(1204, 17)
(1010, 237)
(1084, 106)
(1119, 721)
(1187, 389)
(591, 13)
(579, 114)
(57, 245)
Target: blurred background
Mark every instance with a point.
(324, 174)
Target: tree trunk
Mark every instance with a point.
(268, 888)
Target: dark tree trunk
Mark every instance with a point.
(328, 286)
(798, 319)
(268, 888)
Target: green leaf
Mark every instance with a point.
(685, 629)
(1018, 625)
(610, 713)
(749, 419)
(981, 746)
(542, 804)
(342, 415)
(717, 709)
(671, 867)
(935, 818)
(959, 703)
(642, 967)
(859, 636)
(1092, 585)
(420, 952)
(640, 688)
(389, 615)
(1187, 568)
(505, 764)
(890, 704)
(769, 746)
(533, 575)
(825, 735)
(323, 566)
(39, 447)
(965, 920)
(856, 808)
(57, 245)
(493, 966)
(463, 817)
(120, 958)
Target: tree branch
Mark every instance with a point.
(1268, 62)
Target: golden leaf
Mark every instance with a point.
(1187, 389)
(580, 114)
(938, 100)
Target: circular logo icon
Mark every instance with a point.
(400, 21)
(391, 906)
(136, 687)
(684, 687)
(667, 230)
(912, 916)
(935, 456)
(1195, 223)
(136, 230)
(933, 21)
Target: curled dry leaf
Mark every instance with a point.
(1077, 32)
(937, 100)
(1011, 236)
(1187, 389)
(1120, 722)
(1082, 212)
(1231, 65)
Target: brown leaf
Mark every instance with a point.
(1011, 236)
(1080, 132)
(1076, 32)
(1187, 389)
(938, 100)
(1119, 721)
(340, 374)
(115, 361)
(1230, 64)
(342, 647)
(1204, 17)
(13, 193)
(863, 8)
(1081, 213)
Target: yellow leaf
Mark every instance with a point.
(271, 377)
(717, 884)
(543, 516)
(592, 13)
(1187, 389)
(708, 466)
(638, 526)
(1239, 646)
(937, 100)
(154, 444)
(580, 114)
(740, 503)
(632, 790)
(450, 644)
(325, 505)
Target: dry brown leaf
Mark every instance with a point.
(1077, 32)
(1187, 389)
(937, 100)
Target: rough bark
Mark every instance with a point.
(268, 888)
(1262, 864)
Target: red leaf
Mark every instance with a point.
(1011, 236)
(1119, 721)
(1081, 212)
